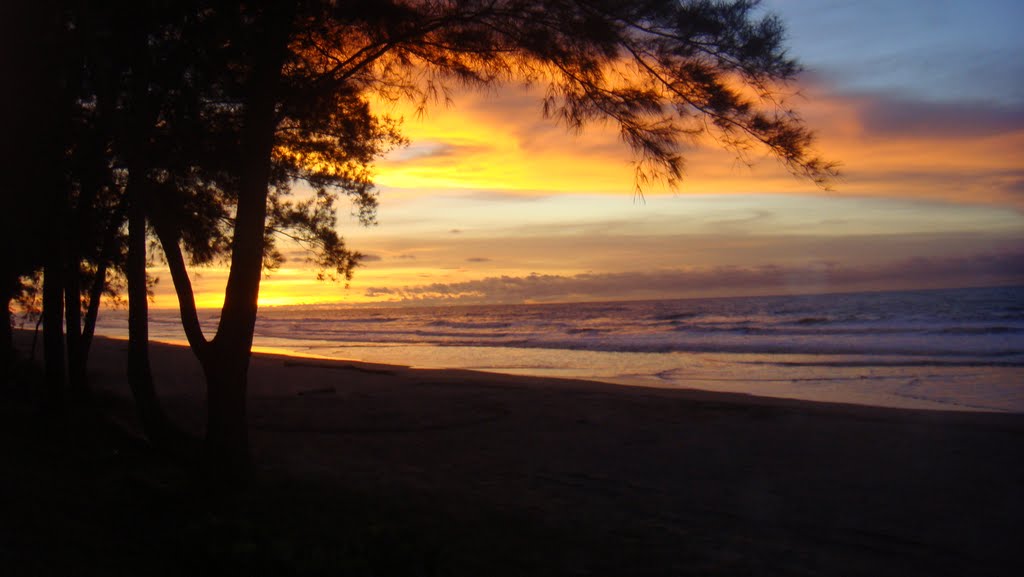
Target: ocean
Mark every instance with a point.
(960, 349)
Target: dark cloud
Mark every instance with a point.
(405, 257)
(1016, 186)
(884, 116)
(818, 277)
(371, 258)
(478, 259)
(455, 231)
(951, 183)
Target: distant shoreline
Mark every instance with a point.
(414, 305)
(940, 350)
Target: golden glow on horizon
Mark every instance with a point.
(286, 286)
(437, 225)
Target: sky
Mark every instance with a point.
(921, 101)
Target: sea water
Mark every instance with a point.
(959, 349)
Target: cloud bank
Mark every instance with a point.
(978, 270)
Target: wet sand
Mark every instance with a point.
(505, 475)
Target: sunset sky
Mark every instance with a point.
(921, 101)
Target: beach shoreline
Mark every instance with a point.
(941, 350)
(858, 390)
(524, 475)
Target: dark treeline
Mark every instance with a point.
(184, 124)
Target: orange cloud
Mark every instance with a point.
(465, 159)
(888, 147)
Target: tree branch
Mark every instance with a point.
(183, 289)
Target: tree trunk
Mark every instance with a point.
(82, 234)
(100, 282)
(6, 337)
(157, 427)
(73, 331)
(227, 433)
(154, 422)
(53, 330)
(89, 322)
(227, 367)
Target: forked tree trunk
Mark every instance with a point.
(227, 366)
(225, 358)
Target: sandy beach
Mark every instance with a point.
(499, 475)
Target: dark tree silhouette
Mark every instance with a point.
(664, 71)
(64, 213)
(172, 88)
(37, 54)
(215, 108)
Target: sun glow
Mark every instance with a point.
(488, 189)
